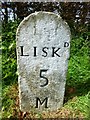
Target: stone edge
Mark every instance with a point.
(41, 12)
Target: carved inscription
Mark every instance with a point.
(41, 102)
(22, 54)
(55, 51)
(43, 71)
(66, 44)
(41, 76)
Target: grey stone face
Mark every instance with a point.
(43, 44)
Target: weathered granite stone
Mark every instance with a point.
(43, 44)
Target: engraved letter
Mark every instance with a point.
(22, 51)
(66, 44)
(41, 102)
(55, 51)
(44, 51)
(34, 51)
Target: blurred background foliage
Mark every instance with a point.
(77, 15)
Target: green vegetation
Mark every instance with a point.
(77, 94)
(9, 68)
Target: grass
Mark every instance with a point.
(78, 78)
(77, 94)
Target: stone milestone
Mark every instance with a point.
(43, 45)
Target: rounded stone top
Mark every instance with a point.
(42, 15)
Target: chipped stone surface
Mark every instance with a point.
(43, 44)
